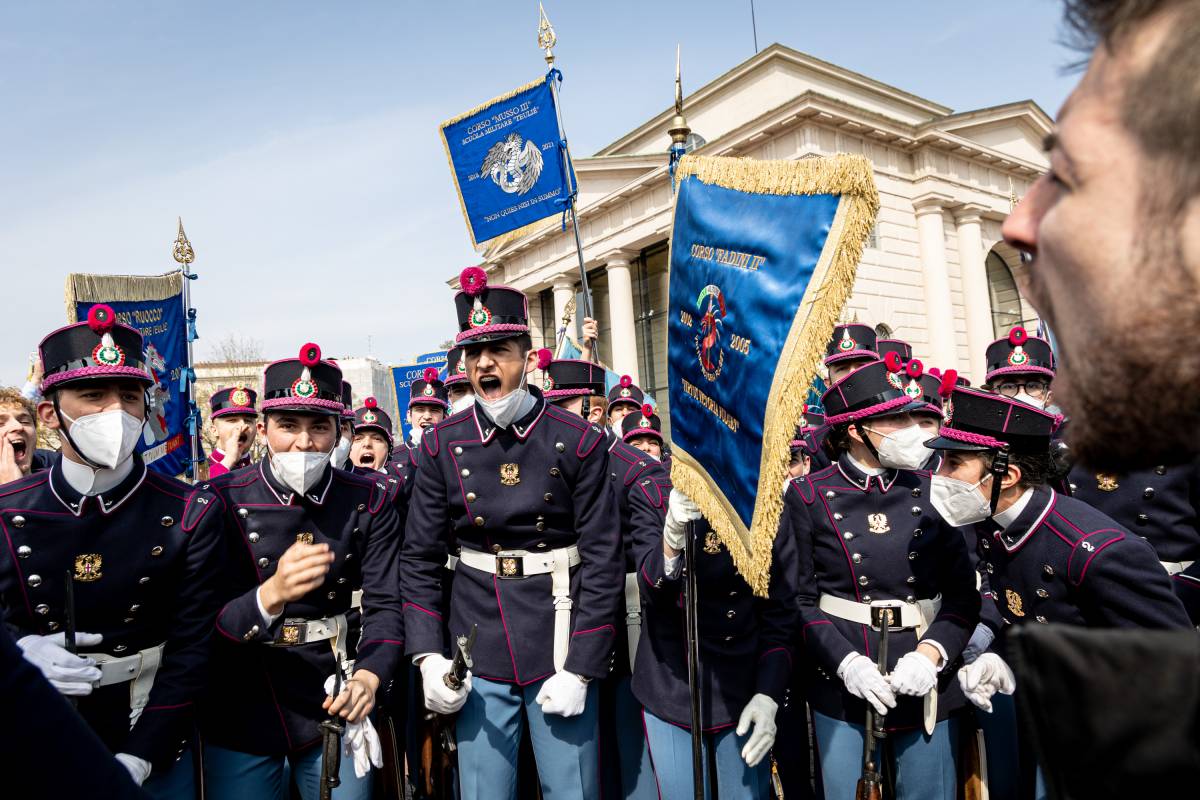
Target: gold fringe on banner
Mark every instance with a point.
(851, 177)
(446, 146)
(84, 288)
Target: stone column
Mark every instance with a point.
(939, 310)
(623, 334)
(976, 299)
(564, 290)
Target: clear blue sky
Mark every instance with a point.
(298, 139)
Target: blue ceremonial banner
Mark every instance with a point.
(437, 358)
(509, 163)
(153, 305)
(763, 258)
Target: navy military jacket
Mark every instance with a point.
(540, 484)
(70, 760)
(745, 641)
(267, 700)
(628, 466)
(1063, 561)
(876, 538)
(1162, 505)
(146, 569)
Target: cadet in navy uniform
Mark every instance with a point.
(459, 393)
(624, 398)
(578, 387)
(141, 557)
(1047, 558)
(851, 346)
(233, 418)
(302, 537)
(523, 488)
(427, 406)
(340, 457)
(745, 642)
(866, 535)
(372, 445)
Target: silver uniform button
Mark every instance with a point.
(253, 537)
(34, 581)
(837, 517)
(166, 522)
(156, 550)
(847, 536)
(18, 521)
(52, 625)
(243, 513)
(1041, 619)
(466, 473)
(912, 556)
(1049, 570)
(24, 551)
(120, 648)
(362, 507)
(144, 580)
(458, 451)
(916, 511)
(1042, 593)
(731, 613)
(862, 580)
(560, 447)
(830, 494)
(856, 558)
(42, 609)
(262, 562)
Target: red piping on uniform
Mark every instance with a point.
(507, 639)
(287, 736)
(1088, 563)
(783, 650)
(1007, 418)
(13, 555)
(593, 630)
(646, 736)
(804, 630)
(167, 708)
(433, 614)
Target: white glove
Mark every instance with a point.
(759, 713)
(980, 641)
(360, 742)
(914, 675)
(862, 679)
(564, 693)
(139, 769)
(680, 511)
(984, 677)
(67, 672)
(439, 697)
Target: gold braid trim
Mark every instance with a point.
(446, 146)
(851, 177)
(84, 288)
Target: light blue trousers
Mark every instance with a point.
(637, 775)
(230, 775)
(924, 765)
(671, 753)
(489, 734)
(177, 782)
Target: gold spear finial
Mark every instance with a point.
(183, 252)
(679, 129)
(1012, 196)
(545, 35)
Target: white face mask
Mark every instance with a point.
(105, 439)
(341, 451)
(903, 449)
(506, 409)
(462, 403)
(1036, 402)
(959, 502)
(299, 471)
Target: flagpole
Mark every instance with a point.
(546, 41)
(184, 255)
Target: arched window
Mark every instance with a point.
(1002, 292)
(883, 331)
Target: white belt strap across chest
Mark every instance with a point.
(633, 614)
(517, 564)
(913, 616)
(1175, 567)
(137, 669)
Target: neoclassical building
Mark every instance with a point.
(935, 271)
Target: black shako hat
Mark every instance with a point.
(101, 347)
(851, 342)
(372, 417)
(428, 390)
(626, 392)
(233, 400)
(456, 366)
(643, 422)
(1019, 352)
(564, 378)
(488, 313)
(982, 421)
(305, 384)
(901, 348)
(872, 390)
(347, 401)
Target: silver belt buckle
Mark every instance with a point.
(886, 612)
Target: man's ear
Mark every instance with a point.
(855, 436)
(46, 416)
(261, 425)
(1011, 478)
(531, 361)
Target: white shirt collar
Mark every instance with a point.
(1009, 515)
(865, 470)
(91, 482)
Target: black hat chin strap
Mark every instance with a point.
(858, 426)
(586, 408)
(65, 432)
(998, 471)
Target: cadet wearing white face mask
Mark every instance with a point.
(866, 534)
(303, 538)
(143, 561)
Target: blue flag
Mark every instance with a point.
(509, 161)
(763, 258)
(157, 312)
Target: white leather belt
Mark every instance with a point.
(517, 564)
(912, 616)
(1176, 567)
(138, 669)
(633, 614)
